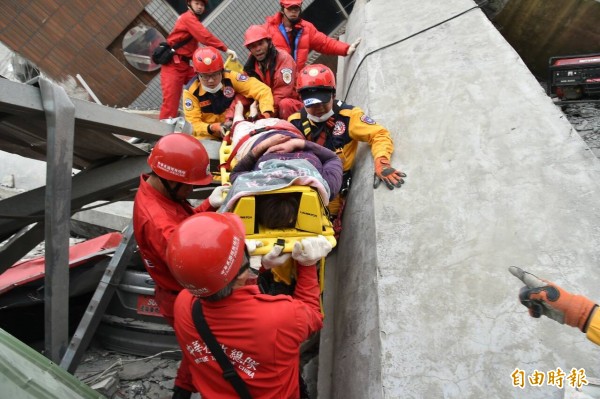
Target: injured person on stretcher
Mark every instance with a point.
(280, 187)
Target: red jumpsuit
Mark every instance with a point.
(174, 75)
(261, 335)
(308, 38)
(280, 76)
(154, 220)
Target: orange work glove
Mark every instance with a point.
(543, 297)
(386, 173)
(216, 130)
(267, 114)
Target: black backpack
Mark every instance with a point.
(163, 54)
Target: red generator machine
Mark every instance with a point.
(573, 77)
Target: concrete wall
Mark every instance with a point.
(425, 306)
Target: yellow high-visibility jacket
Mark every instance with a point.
(343, 131)
(202, 108)
(593, 331)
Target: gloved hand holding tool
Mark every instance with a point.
(309, 251)
(543, 297)
(386, 173)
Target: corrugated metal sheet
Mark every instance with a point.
(25, 373)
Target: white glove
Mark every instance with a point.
(255, 260)
(231, 53)
(217, 197)
(274, 258)
(353, 46)
(309, 251)
(251, 245)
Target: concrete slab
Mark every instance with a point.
(496, 177)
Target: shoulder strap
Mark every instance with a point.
(229, 372)
(182, 43)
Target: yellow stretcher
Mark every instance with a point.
(312, 220)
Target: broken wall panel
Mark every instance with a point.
(66, 38)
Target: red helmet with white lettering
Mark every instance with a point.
(316, 77)
(290, 3)
(206, 252)
(182, 158)
(207, 60)
(254, 34)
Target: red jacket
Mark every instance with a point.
(188, 24)
(308, 38)
(154, 220)
(280, 75)
(261, 335)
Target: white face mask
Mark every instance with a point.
(319, 119)
(216, 89)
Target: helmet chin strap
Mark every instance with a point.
(212, 91)
(172, 191)
(320, 119)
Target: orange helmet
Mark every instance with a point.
(206, 252)
(207, 60)
(254, 34)
(181, 158)
(316, 77)
(290, 3)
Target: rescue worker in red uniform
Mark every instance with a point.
(274, 68)
(178, 162)
(208, 96)
(297, 37)
(340, 127)
(175, 74)
(543, 297)
(260, 334)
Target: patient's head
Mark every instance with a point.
(277, 211)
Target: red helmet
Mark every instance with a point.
(206, 252)
(181, 158)
(207, 60)
(315, 76)
(254, 34)
(290, 3)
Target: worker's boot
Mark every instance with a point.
(180, 393)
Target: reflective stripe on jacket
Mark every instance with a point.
(350, 125)
(202, 108)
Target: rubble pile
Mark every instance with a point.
(585, 118)
(121, 376)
